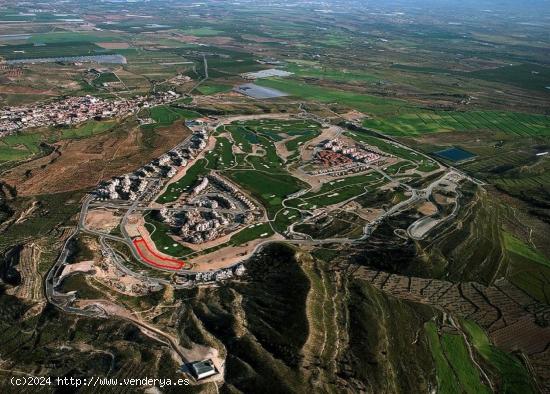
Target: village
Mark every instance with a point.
(76, 110)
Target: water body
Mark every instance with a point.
(111, 59)
(455, 154)
(259, 92)
(15, 36)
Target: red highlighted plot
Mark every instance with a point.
(148, 255)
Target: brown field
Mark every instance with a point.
(14, 89)
(83, 163)
(427, 209)
(255, 38)
(102, 219)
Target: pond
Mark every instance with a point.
(455, 154)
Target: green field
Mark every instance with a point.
(516, 246)
(388, 147)
(88, 129)
(24, 144)
(525, 76)
(105, 78)
(203, 32)
(208, 88)
(362, 102)
(56, 37)
(528, 269)
(165, 115)
(514, 376)
(58, 49)
(307, 71)
(455, 371)
(419, 123)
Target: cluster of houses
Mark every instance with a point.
(197, 225)
(357, 154)
(219, 275)
(75, 110)
(232, 190)
(200, 226)
(130, 186)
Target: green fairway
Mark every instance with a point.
(296, 142)
(175, 189)
(243, 137)
(221, 157)
(400, 168)
(285, 218)
(270, 188)
(251, 233)
(160, 235)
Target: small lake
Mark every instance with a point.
(259, 92)
(455, 154)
